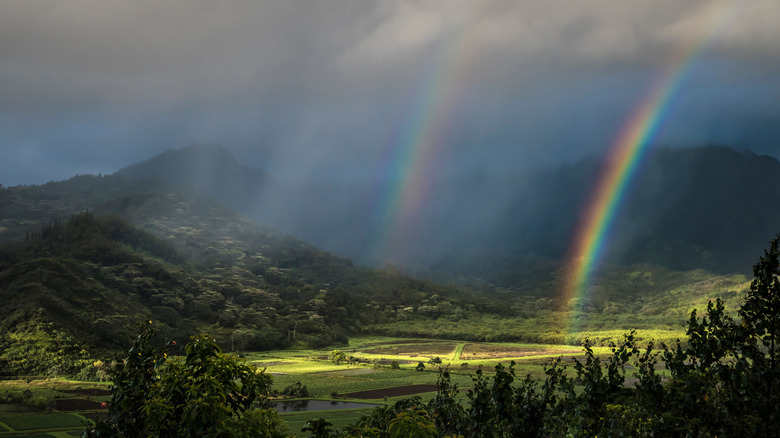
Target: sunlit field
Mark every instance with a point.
(377, 370)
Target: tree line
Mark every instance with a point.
(723, 381)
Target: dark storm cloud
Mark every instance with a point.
(302, 88)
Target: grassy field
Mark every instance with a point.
(375, 364)
(25, 422)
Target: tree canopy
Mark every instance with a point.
(204, 393)
(722, 381)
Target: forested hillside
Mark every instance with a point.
(687, 208)
(183, 261)
(88, 258)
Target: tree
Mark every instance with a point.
(205, 393)
(319, 428)
(725, 380)
(239, 339)
(757, 335)
(722, 381)
(761, 311)
(412, 423)
(337, 356)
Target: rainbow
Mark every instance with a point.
(418, 143)
(625, 157)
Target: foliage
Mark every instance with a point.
(25, 397)
(145, 248)
(40, 349)
(319, 428)
(724, 381)
(251, 288)
(68, 286)
(412, 422)
(296, 390)
(205, 393)
(337, 356)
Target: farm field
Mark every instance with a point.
(49, 407)
(377, 370)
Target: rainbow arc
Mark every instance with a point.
(625, 158)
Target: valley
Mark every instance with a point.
(415, 218)
(87, 263)
(377, 371)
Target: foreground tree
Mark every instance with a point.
(205, 393)
(723, 381)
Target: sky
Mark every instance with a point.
(334, 89)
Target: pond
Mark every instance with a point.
(315, 405)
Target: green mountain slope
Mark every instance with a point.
(74, 284)
(205, 269)
(686, 208)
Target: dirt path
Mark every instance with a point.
(458, 352)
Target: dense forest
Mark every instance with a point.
(723, 380)
(88, 258)
(83, 261)
(503, 228)
(92, 278)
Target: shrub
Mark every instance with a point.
(296, 390)
(204, 393)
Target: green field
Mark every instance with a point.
(370, 369)
(23, 422)
(47, 424)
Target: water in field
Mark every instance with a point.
(315, 405)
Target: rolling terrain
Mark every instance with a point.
(84, 260)
(708, 207)
(191, 265)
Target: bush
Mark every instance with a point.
(337, 356)
(296, 390)
(204, 393)
(724, 380)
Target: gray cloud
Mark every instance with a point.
(306, 87)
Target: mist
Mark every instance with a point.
(485, 111)
(320, 91)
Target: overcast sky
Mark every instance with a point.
(331, 88)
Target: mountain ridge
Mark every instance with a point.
(665, 218)
(77, 281)
(211, 169)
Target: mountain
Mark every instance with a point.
(208, 168)
(687, 208)
(83, 282)
(84, 260)
(706, 207)
(324, 214)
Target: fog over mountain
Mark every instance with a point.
(704, 207)
(417, 133)
(339, 90)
